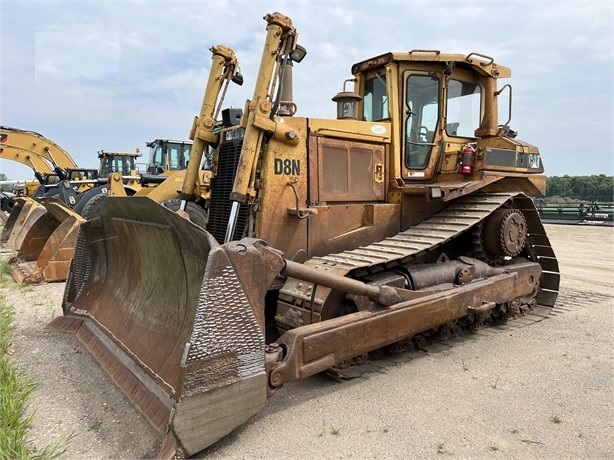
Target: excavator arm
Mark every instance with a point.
(29, 143)
(40, 165)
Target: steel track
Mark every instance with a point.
(381, 361)
(459, 217)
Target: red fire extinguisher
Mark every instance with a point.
(467, 159)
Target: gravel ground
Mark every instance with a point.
(541, 391)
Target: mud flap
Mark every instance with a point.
(22, 217)
(157, 302)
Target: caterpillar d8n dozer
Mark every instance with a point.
(406, 217)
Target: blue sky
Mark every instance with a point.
(94, 75)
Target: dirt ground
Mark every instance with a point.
(543, 391)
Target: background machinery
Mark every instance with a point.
(591, 213)
(57, 173)
(43, 229)
(405, 218)
(47, 248)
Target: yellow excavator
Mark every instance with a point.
(407, 217)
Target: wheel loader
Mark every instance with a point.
(50, 164)
(43, 229)
(58, 175)
(48, 246)
(407, 217)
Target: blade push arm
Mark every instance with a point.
(224, 68)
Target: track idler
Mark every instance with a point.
(505, 233)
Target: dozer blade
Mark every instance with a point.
(143, 294)
(23, 215)
(48, 247)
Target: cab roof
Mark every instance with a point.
(476, 62)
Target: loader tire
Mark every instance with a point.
(93, 207)
(7, 204)
(197, 214)
(84, 198)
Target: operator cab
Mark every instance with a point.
(121, 162)
(444, 110)
(168, 155)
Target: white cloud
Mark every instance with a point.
(91, 74)
(76, 57)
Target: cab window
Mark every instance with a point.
(422, 106)
(375, 101)
(463, 108)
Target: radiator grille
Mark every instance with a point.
(221, 187)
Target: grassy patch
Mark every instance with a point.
(5, 272)
(15, 388)
(556, 419)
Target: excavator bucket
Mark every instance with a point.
(143, 295)
(48, 247)
(23, 216)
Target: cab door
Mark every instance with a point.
(440, 115)
(421, 115)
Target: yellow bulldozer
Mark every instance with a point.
(405, 218)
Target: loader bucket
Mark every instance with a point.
(23, 215)
(157, 302)
(48, 247)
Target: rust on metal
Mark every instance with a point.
(48, 246)
(22, 217)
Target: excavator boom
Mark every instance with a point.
(26, 144)
(40, 165)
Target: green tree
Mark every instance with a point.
(582, 188)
